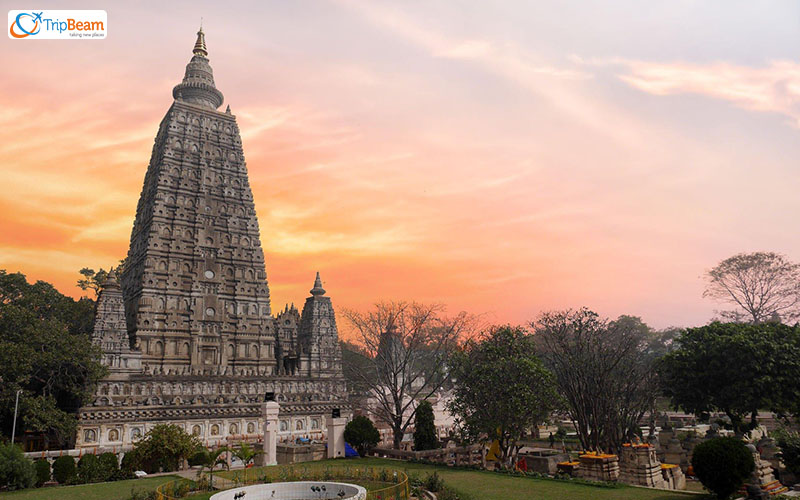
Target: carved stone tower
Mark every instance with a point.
(110, 332)
(318, 335)
(189, 337)
(196, 295)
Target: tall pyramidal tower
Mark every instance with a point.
(203, 347)
(194, 280)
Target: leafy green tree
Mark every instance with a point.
(163, 447)
(210, 459)
(42, 467)
(45, 351)
(361, 434)
(425, 428)
(722, 465)
(502, 388)
(16, 471)
(95, 280)
(735, 368)
(92, 280)
(604, 371)
(789, 443)
(246, 453)
(64, 470)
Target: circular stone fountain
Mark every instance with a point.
(296, 490)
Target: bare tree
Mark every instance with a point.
(406, 345)
(602, 369)
(765, 286)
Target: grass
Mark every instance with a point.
(493, 486)
(117, 490)
(472, 483)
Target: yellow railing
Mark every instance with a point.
(399, 491)
(372, 478)
(175, 489)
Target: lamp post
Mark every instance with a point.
(14, 426)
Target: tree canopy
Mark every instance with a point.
(404, 347)
(735, 368)
(763, 286)
(604, 371)
(46, 352)
(95, 280)
(502, 389)
(163, 447)
(425, 428)
(361, 434)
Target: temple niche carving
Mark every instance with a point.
(187, 329)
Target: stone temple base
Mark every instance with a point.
(674, 478)
(598, 467)
(640, 466)
(763, 479)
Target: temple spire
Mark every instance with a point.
(317, 290)
(200, 44)
(111, 279)
(197, 86)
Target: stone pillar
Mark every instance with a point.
(335, 436)
(270, 455)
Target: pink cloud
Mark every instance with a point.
(774, 88)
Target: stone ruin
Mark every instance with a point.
(769, 451)
(598, 467)
(671, 450)
(762, 483)
(639, 465)
(674, 477)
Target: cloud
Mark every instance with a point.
(559, 86)
(774, 88)
(506, 58)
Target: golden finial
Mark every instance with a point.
(200, 44)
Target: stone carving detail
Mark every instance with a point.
(189, 335)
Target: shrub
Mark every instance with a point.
(89, 470)
(198, 458)
(362, 434)
(16, 471)
(722, 465)
(42, 471)
(109, 467)
(447, 493)
(130, 464)
(425, 428)
(433, 482)
(142, 494)
(64, 470)
(789, 443)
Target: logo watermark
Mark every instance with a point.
(57, 24)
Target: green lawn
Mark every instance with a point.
(494, 486)
(476, 484)
(118, 490)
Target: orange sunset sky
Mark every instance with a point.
(502, 158)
